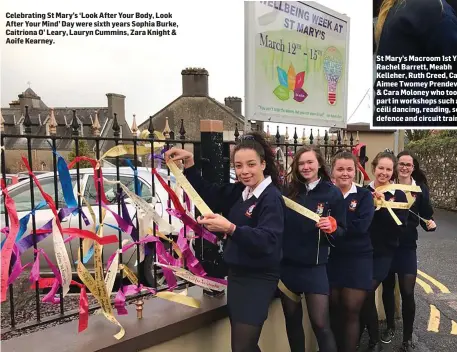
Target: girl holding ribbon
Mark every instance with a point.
(306, 246)
(350, 265)
(389, 223)
(404, 263)
(253, 219)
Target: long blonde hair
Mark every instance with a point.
(383, 12)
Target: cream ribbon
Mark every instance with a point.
(145, 209)
(300, 209)
(191, 192)
(63, 261)
(197, 280)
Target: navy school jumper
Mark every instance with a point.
(359, 215)
(304, 244)
(421, 207)
(384, 231)
(256, 243)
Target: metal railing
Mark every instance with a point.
(329, 144)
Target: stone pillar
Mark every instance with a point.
(212, 164)
(212, 151)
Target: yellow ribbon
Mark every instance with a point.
(300, 209)
(382, 203)
(288, 292)
(191, 192)
(123, 149)
(98, 286)
(129, 274)
(399, 187)
(179, 298)
(159, 135)
(197, 280)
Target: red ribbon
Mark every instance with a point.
(356, 152)
(83, 300)
(97, 181)
(75, 232)
(46, 196)
(174, 198)
(7, 249)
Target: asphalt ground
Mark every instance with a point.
(435, 328)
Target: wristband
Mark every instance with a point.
(231, 229)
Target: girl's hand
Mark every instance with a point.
(176, 154)
(327, 224)
(431, 225)
(216, 223)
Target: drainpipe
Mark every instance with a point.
(396, 135)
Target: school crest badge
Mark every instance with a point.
(250, 210)
(353, 205)
(320, 209)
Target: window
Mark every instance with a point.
(111, 189)
(22, 196)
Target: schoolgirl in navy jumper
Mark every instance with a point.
(306, 246)
(350, 265)
(384, 234)
(404, 263)
(253, 219)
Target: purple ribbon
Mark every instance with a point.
(198, 229)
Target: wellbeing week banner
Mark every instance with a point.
(296, 63)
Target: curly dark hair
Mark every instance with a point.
(256, 142)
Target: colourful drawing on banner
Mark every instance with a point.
(333, 67)
(290, 82)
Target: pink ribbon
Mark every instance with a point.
(17, 268)
(119, 300)
(123, 225)
(35, 276)
(192, 224)
(7, 249)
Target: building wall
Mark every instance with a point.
(216, 337)
(439, 161)
(377, 142)
(14, 162)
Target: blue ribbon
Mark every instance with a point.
(23, 222)
(135, 176)
(65, 181)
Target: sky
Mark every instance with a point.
(79, 71)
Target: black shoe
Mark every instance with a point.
(387, 335)
(407, 346)
(374, 346)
